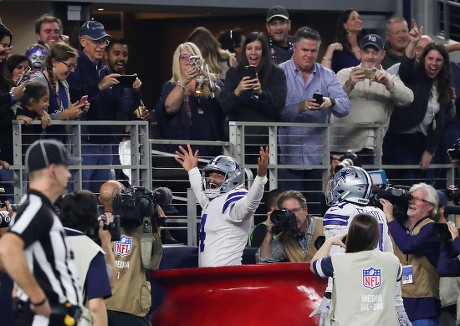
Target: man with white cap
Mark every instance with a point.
(35, 252)
(91, 78)
(278, 26)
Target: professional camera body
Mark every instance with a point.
(346, 160)
(454, 153)
(283, 220)
(134, 203)
(399, 197)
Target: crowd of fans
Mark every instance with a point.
(272, 77)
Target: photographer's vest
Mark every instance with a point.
(84, 250)
(291, 245)
(131, 292)
(426, 279)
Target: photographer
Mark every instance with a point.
(418, 252)
(296, 242)
(131, 297)
(78, 214)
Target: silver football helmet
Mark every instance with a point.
(227, 166)
(352, 184)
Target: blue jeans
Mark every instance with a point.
(95, 154)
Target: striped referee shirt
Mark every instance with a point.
(47, 250)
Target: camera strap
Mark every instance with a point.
(151, 246)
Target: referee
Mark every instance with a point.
(35, 252)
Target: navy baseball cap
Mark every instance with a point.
(93, 30)
(43, 153)
(372, 40)
(442, 198)
(277, 11)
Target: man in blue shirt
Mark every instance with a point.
(304, 145)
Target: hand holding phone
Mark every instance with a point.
(318, 98)
(250, 71)
(83, 100)
(25, 76)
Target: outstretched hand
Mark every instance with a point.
(262, 162)
(187, 158)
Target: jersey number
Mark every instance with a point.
(202, 233)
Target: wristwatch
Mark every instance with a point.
(332, 101)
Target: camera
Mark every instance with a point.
(14, 207)
(346, 160)
(283, 220)
(5, 219)
(399, 197)
(453, 195)
(454, 153)
(369, 73)
(113, 227)
(134, 203)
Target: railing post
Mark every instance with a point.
(191, 218)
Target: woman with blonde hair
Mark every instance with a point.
(188, 108)
(219, 60)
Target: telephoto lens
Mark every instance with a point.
(5, 219)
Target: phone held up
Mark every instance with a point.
(83, 99)
(250, 71)
(25, 76)
(318, 98)
(127, 80)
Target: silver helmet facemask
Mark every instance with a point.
(233, 176)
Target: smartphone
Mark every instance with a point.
(195, 61)
(25, 76)
(369, 73)
(318, 98)
(83, 99)
(250, 71)
(127, 80)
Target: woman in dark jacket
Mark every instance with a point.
(414, 132)
(255, 99)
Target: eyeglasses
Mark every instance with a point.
(418, 199)
(70, 66)
(184, 56)
(297, 209)
(103, 41)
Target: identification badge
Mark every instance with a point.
(407, 275)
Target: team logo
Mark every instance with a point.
(124, 246)
(372, 278)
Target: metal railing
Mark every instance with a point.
(153, 164)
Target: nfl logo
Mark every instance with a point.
(372, 278)
(124, 246)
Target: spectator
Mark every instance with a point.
(373, 93)
(304, 145)
(8, 95)
(227, 208)
(346, 52)
(17, 64)
(48, 30)
(278, 27)
(422, 43)
(218, 60)
(418, 251)
(60, 62)
(297, 244)
(131, 297)
(36, 243)
(254, 99)
(91, 78)
(181, 112)
(414, 132)
(129, 105)
(90, 242)
(348, 195)
(232, 40)
(397, 35)
(37, 54)
(363, 276)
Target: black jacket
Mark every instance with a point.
(403, 119)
